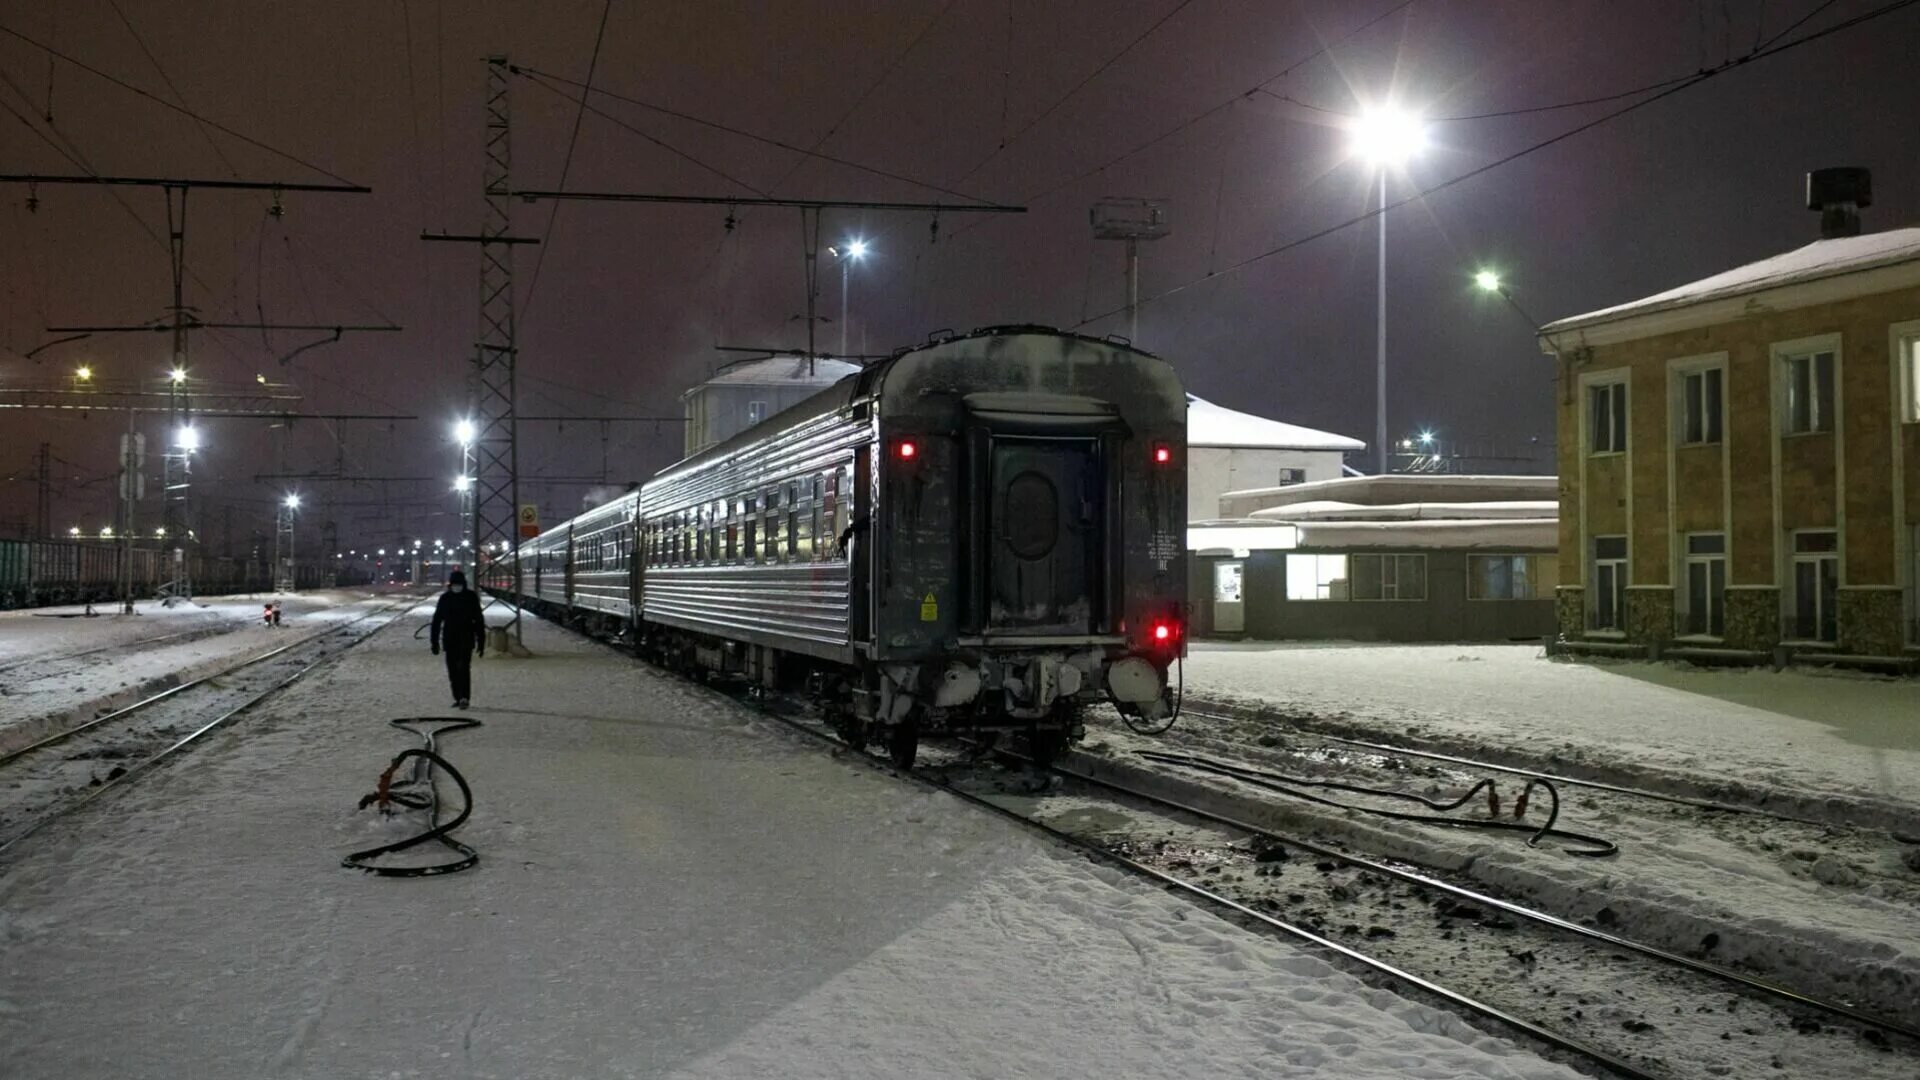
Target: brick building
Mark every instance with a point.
(1740, 456)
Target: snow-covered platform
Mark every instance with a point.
(1811, 735)
(670, 885)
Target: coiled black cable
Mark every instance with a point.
(426, 760)
(1597, 847)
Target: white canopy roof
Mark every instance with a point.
(1215, 425)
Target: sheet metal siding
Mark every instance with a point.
(801, 606)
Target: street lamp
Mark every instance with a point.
(854, 251)
(293, 502)
(83, 373)
(464, 431)
(74, 531)
(1386, 137)
(1487, 280)
(177, 376)
(187, 439)
(462, 483)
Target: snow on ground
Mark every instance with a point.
(1822, 734)
(43, 690)
(670, 886)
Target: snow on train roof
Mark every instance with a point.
(784, 371)
(1216, 425)
(1820, 259)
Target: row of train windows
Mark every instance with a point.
(799, 520)
(611, 549)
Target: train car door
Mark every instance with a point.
(1046, 505)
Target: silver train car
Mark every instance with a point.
(984, 533)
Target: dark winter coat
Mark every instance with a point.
(457, 617)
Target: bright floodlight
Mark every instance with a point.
(1487, 280)
(1426, 438)
(462, 483)
(83, 373)
(293, 502)
(856, 250)
(1388, 136)
(106, 533)
(187, 439)
(178, 375)
(464, 431)
(74, 531)
(161, 532)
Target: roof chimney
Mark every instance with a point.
(1839, 194)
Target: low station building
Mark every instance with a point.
(1400, 557)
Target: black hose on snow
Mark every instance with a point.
(1596, 846)
(426, 759)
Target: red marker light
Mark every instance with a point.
(907, 450)
(1162, 632)
(1162, 455)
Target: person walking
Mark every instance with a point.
(465, 634)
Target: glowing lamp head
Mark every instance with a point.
(1162, 633)
(74, 531)
(177, 376)
(462, 483)
(906, 450)
(83, 373)
(1487, 280)
(1388, 136)
(464, 431)
(1426, 438)
(187, 439)
(293, 502)
(856, 250)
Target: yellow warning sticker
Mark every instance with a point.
(929, 609)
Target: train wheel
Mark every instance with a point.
(903, 742)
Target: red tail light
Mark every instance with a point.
(1163, 633)
(906, 450)
(1162, 454)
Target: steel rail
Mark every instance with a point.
(63, 735)
(1471, 1004)
(1751, 982)
(1571, 781)
(140, 767)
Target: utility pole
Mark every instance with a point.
(492, 391)
(43, 509)
(1130, 220)
(133, 486)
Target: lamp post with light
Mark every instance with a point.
(464, 433)
(286, 579)
(853, 251)
(1386, 137)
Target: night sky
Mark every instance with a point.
(630, 299)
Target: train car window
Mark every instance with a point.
(793, 492)
(816, 547)
(749, 532)
(774, 521)
(699, 534)
(793, 533)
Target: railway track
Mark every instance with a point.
(1831, 811)
(57, 775)
(198, 632)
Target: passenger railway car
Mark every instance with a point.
(985, 532)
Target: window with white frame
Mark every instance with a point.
(1388, 577)
(1607, 605)
(1316, 577)
(1607, 418)
(1809, 399)
(1816, 586)
(1701, 405)
(1704, 609)
(1502, 577)
(1908, 355)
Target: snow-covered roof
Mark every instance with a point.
(1327, 510)
(1820, 259)
(1509, 534)
(1239, 537)
(1401, 487)
(784, 371)
(1215, 425)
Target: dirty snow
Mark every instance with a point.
(1814, 734)
(670, 886)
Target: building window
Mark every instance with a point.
(1810, 401)
(756, 412)
(1607, 405)
(1389, 577)
(1316, 577)
(1909, 360)
(1501, 577)
(1606, 609)
(1705, 611)
(1700, 406)
(1816, 586)
(1289, 477)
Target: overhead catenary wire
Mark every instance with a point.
(566, 163)
(1589, 125)
(164, 103)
